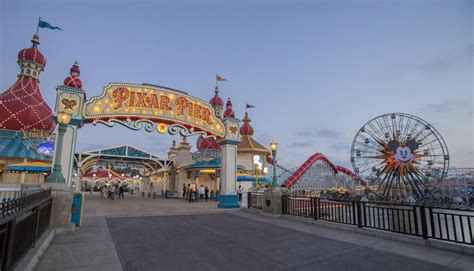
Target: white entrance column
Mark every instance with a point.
(228, 197)
(72, 99)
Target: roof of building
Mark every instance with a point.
(22, 106)
(104, 173)
(249, 144)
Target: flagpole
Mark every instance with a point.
(37, 27)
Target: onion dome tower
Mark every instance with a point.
(229, 112)
(248, 143)
(73, 80)
(217, 103)
(22, 106)
(246, 129)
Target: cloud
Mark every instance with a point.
(446, 107)
(340, 146)
(444, 63)
(302, 144)
(323, 133)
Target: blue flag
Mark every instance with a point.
(44, 24)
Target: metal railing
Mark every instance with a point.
(22, 222)
(255, 200)
(451, 225)
(7, 193)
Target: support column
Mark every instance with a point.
(76, 97)
(228, 197)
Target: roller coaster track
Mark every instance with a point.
(297, 174)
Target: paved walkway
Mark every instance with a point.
(176, 235)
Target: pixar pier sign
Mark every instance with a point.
(161, 105)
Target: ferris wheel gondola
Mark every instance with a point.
(402, 154)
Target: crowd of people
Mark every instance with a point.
(195, 195)
(109, 191)
(202, 193)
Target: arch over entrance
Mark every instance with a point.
(154, 108)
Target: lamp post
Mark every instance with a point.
(273, 148)
(56, 176)
(93, 181)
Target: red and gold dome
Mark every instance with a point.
(73, 80)
(229, 112)
(246, 129)
(216, 101)
(207, 144)
(32, 54)
(22, 106)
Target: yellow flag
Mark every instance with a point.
(220, 78)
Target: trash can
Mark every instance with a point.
(166, 194)
(77, 208)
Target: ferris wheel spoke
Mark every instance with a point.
(389, 183)
(374, 157)
(417, 128)
(368, 151)
(407, 128)
(373, 147)
(414, 182)
(380, 135)
(428, 143)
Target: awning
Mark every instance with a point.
(250, 178)
(30, 167)
(14, 148)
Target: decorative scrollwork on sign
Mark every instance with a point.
(134, 125)
(182, 130)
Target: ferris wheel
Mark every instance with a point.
(401, 154)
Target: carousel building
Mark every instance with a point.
(26, 124)
(202, 167)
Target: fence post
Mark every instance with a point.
(10, 245)
(315, 208)
(37, 220)
(249, 199)
(359, 213)
(424, 226)
(415, 219)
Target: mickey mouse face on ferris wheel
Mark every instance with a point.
(403, 153)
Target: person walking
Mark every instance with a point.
(101, 191)
(121, 189)
(239, 192)
(202, 191)
(184, 190)
(206, 193)
(190, 195)
(112, 192)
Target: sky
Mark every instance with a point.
(316, 71)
